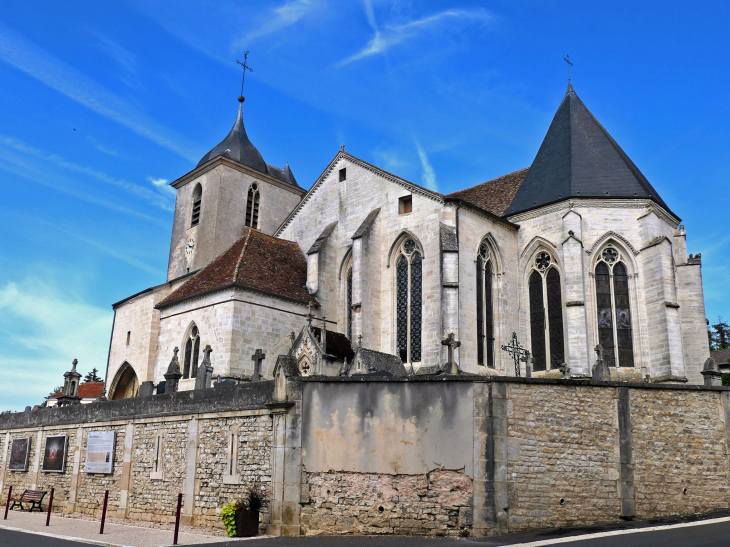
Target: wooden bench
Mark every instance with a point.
(34, 497)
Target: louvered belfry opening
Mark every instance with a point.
(252, 207)
(197, 202)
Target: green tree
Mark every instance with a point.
(92, 376)
(720, 335)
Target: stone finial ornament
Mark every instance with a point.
(711, 373)
(451, 343)
(70, 391)
(173, 374)
(257, 358)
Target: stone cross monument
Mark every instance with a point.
(70, 392)
(204, 379)
(173, 374)
(450, 341)
(601, 372)
(257, 358)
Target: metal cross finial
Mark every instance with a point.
(517, 352)
(342, 147)
(245, 68)
(567, 60)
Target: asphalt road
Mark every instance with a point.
(700, 535)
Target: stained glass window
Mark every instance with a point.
(349, 304)
(488, 313)
(555, 319)
(192, 352)
(416, 284)
(188, 355)
(480, 312)
(402, 306)
(605, 312)
(537, 321)
(623, 316)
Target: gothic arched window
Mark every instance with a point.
(349, 304)
(614, 312)
(485, 308)
(197, 202)
(192, 352)
(546, 314)
(408, 271)
(252, 206)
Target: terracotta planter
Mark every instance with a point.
(247, 523)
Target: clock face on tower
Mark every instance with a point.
(189, 248)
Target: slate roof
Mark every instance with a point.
(721, 356)
(238, 147)
(494, 195)
(88, 390)
(256, 261)
(578, 158)
(338, 345)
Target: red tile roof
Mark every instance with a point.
(495, 195)
(256, 261)
(89, 390)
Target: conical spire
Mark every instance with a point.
(237, 146)
(578, 158)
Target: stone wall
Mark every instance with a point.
(441, 455)
(436, 503)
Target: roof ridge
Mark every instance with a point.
(488, 181)
(240, 255)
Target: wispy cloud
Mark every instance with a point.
(153, 198)
(101, 148)
(391, 36)
(106, 249)
(12, 163)
(122, 56)
(428, 176)
(40, 64)
(162, 186)
(44, 327)
(281, 17)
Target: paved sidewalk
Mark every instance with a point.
(115, 533)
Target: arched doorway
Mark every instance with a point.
(125, 383)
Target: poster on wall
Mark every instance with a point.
(99, 452)
(19, 452)
(54, 456)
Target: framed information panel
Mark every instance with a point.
(54, 456)
(19, 452)
(99, 452)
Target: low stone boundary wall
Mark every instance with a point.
(211, 446)
(436, 456)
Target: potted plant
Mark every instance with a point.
(241, 517)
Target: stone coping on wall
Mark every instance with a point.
(239, 397)
(512, 380)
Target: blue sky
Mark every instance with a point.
(104, 103)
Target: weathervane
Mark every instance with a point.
(245, 68)
(566, 59)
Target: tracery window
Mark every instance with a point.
(349, 304)
(614, 311)
(485, 308)
(546, 313)
(192, 352)
(197, 202)
(409, 271)
(252, 206)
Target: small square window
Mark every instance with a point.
(343, 174)
(405, 205)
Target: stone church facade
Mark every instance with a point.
(577, 250)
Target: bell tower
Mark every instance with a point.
(232, 187)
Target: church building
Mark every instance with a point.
(368, 273)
